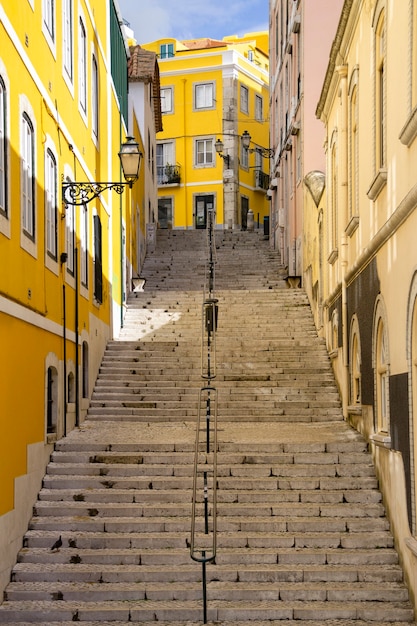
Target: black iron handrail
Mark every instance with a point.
(203, 543)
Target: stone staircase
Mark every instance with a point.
(302, 532)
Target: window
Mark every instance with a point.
(82, 67)
(70, 236)
(27, 178)
(51, 204)
(52, 400)
(334, 192)
(244, 99)
(164, 158)
(244, 157)
(354, 153)
(85, 369)
(380, 92)
(381, 373)
(94, 97)
(166, 51)
(204, 96)
(98, 267)
(67, 38)
(355, 365)
(259, 108)
(49, 18)
(3, 149)
(204, 150)
(84, 245)
(166, 100)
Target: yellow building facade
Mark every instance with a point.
(364, 251)
(210, 91)
(63, 118)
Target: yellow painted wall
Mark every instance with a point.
(184, 125)
(31, 283)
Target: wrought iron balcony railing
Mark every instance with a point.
(261, 180)
(168, 174)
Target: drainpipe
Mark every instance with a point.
(64, 336)
(77, 360)
(344, 218)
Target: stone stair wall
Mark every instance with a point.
(302, 535)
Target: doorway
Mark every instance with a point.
(202, 205)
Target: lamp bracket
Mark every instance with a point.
(268, 153)
(82, 193)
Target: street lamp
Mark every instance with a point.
(219, 149)
(246, 139)
(79, 193)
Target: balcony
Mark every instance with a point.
(168, 175)
(261, 180)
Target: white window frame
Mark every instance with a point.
(204, 152)
(3, 150)
(84, 245)
(166, 51)
(68, 40)
(49, 23)
(27, 173)
(94, 96)
(204, 96)
(82, 66)
(244, 99)
(51, 203)
(167, 100)
(259, 108)
(165, 155)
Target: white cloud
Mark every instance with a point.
(186, 19)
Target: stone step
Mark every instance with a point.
(148, 610)
(238, 592)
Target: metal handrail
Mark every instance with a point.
(203, 543)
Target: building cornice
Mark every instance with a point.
(334, 59)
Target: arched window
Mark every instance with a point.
(335, 332)
(380, 96)
(85, 369)
(71, 388)
(381, 374)
(353, 147)
(355, 365)
(52, 400)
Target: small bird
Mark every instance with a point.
(57, 545)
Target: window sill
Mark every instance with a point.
(377, 184)
(333, 256)
(409, 130)
(354, 409)
(381, 440)
(352, 226)
(411, 544)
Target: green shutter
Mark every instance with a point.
(118, 61)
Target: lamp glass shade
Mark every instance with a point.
(219, 146)
(246, 139)
(130, 157)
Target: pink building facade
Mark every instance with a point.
(301, 34)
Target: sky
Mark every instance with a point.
(193, 19)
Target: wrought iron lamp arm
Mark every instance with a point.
(268, 153)
(75, 193)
